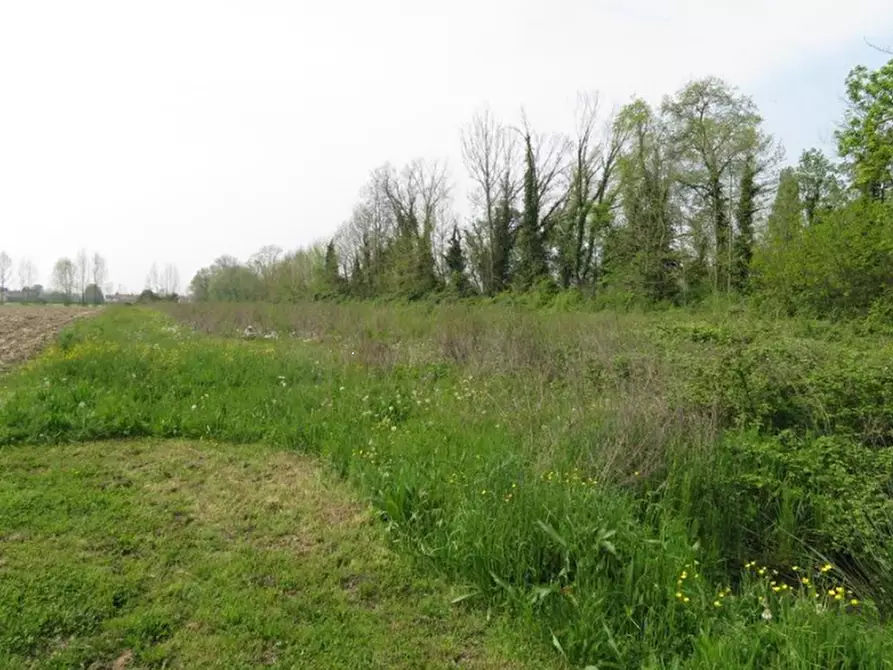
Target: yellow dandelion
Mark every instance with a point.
(827, 567)
(685, 599)
(804, 580)
(716, 603)
(854, 602)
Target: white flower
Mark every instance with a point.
(194, 406)
(767, 614)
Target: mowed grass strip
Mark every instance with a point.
(175, 554)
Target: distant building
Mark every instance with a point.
(122, 298)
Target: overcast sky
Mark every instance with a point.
(179, 130)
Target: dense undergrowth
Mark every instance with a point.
(643, 491)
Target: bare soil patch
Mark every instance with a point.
(24, 331)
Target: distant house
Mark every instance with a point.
(122, 298)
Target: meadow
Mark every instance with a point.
(669, 490)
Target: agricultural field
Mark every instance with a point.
(25, 330)
(447, 486)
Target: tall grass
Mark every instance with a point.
(606, 479)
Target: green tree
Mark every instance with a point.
(744, 218)
(639, 254)
(866, 140)
(455, 262)
(93, 295)
(786, 218)
(331, 273)
(713, 128)
(820, 188)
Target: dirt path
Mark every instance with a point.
(24, 331)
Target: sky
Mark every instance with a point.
(175, 131)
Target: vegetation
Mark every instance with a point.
(674, 204)
(632, 491)
(193, 555)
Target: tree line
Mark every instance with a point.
(652, 204)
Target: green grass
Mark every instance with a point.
(601, 480)
(191, 555)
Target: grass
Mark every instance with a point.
(194, 555)
(631, 491)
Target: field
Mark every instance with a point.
(24, 331)
(442, 486)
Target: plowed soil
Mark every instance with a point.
(24, 331)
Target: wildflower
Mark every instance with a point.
(483, 492)
(805, 580)
(716, 603)
(685, 599)
(832, 592)
(796, 568)
(776, 589)
(194, 406)
(679, 595)
(761, 572)
(684, 575)
(827, 567)
(748, 566)
(854, 602)
(767, 614)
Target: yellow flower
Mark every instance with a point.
(796, 568)
(776, 588)
(761, 572)
(805, 580)
(827, 567)
(716, 603)
(839, 596)
(832, 592)
(685, 599)
(748, 566)
(684, 575)
(854, 602)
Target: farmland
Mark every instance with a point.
(511, 486)
(24, 331)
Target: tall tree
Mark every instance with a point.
(27, 276)
(714, 128)
(82, 273)
(5, 273)
(153, 282)
(170, 280)
(786, 218)
(65, 277)
(744, 218)
(866, 139)
(640, 257)
(819, 186)
(544, 165)
(99, 272)
(455, 262)
(489, 154)
(589, 197)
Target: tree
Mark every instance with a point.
(153, 283)
(170, 280)
(5, 273)
(489, 154)
(93, 295)
(100, 270)
(866, 139)
(714, 128)
(27, 276)
(639, 254)
(589, 198)
(65, 277)
(82, 272)
(544, 163)
(331, 273)
(744, 218)
(786, 218)
(200, 286)
(455, 262)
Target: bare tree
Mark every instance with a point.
(490, 155)
(65, 277)
(152, 282)
(82, 269)
(265, 259)
(27, 273)
(170, 281)
(5, 273)
(589, 196)
(99, 271)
